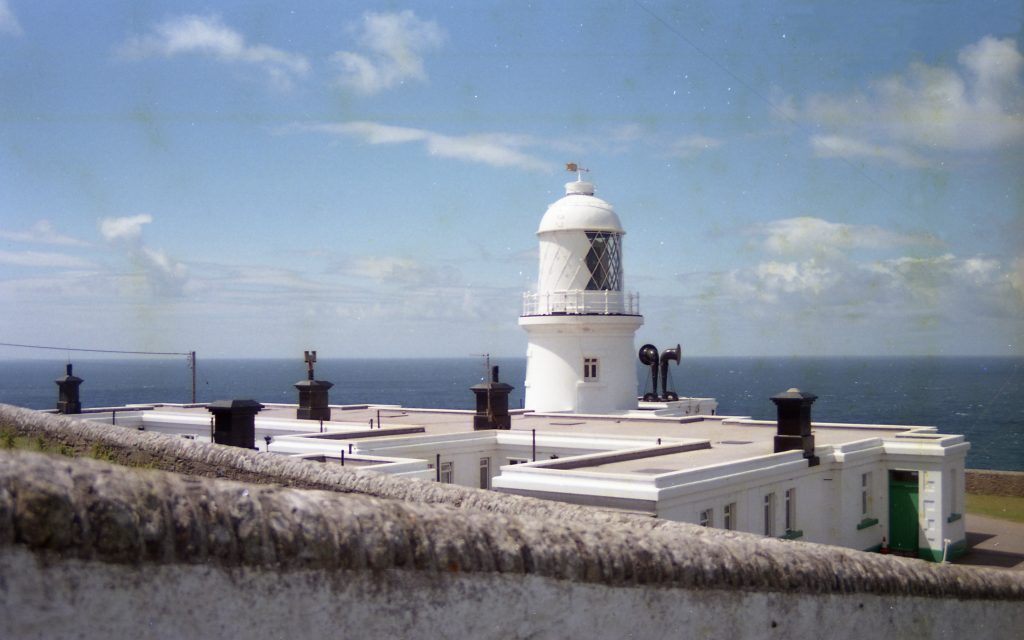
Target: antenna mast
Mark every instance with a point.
(487, 378)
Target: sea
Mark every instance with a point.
(979, 397)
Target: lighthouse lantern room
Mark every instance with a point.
(580, 322)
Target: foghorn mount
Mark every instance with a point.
(649, 356)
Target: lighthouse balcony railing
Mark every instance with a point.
(581, 302)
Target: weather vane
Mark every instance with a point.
(572, 166)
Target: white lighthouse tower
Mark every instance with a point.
(580, 323)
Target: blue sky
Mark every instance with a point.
(257, 178)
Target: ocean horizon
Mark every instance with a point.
(980, 397)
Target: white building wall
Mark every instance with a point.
(555, 353)
(562, 266)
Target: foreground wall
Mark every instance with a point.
(89, 549)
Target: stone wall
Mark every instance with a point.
(995, 483)
(90, 549)
(101, 550)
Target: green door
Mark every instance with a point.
(904, 528)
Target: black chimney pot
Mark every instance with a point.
(67, 393)
(234, 422)
(314, 403)
(794, 423)
(492, 404)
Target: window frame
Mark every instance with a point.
(791, 509)
(706, 518)
(485, 473)
(591, 369)
(866, 495)
(447, 470)
(729, 516)
(769, 514)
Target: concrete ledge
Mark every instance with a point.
(64, 508)
(995, 483)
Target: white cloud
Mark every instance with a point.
(842, 147)
(42, 232)
(495, 149)
(976, 105)
(8, 22)
(127, 228)
(164, 275)
(396, 43)
(809, 235)
(1015, 277)
(167, 276)
(944, 287)
(689, 146)
(207, 35)
(399, 271)
(791, 277)
(43, 259)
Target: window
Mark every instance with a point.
(707, 518)
(865, 495)
(729, 516)
(790, 509)
(604, 261)
(953, 506)
(485, 473)
(769, 514)
(447, 472)
(590, 369)
(518, 460)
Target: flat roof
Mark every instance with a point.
(730, 438)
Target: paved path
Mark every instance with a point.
(994, 543)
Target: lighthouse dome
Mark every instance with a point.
(580, 210)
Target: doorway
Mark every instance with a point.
(904, 525)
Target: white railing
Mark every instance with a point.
(580, 302)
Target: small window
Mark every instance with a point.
(769, 514)
(954, 506)
(707, 518)
(590, 369)
(729, 516)
(485, 473)
(790, 509)
(865, 495)
(447, 472)
(518, 460)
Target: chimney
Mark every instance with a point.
(234, 422)
(67, 393)
(313, 396)
(794, 423)
(492, 404)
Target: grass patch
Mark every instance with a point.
(1002, 507)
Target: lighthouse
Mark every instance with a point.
(580, 322)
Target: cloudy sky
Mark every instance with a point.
(255, 179)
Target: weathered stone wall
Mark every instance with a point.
(995, 483)
(90, 549)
